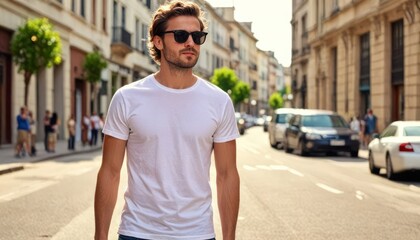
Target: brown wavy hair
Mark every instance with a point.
(164, 13)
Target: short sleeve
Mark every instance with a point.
(116, 119)
(227, 129)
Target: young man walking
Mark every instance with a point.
(169, 124)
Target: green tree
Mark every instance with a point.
(240, 92)
(275, 101)
(225, 78)
(93, 65)
(34, 46)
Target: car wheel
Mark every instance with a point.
(302, 149)
(354, 154)
(372, 168)
(272, 142)
(389, 170)
(286, 147)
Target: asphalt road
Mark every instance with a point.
(283, 196)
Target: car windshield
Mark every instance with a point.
(283, 118)
(323, 121)
(412, 131)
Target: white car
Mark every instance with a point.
(277, 125)
(396, 149)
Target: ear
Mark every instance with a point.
(158, 42)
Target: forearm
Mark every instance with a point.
(228, 202)
(105, 199)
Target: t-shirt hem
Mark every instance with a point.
(226, 139)
(115, 134)
(164, 237)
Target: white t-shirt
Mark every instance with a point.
(170, 135)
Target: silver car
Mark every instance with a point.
(277, 125)
(396, 149)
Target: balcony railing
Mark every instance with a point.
(121, 41)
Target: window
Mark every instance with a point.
(94, 12)
(82, 8)
(364, 62)
(397, 52)
(115, 14)
(123, 13)
(144, 41)
(137, 35)
(334, 78)
(73, 6)
(412, 131)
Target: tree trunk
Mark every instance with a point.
(27, 78)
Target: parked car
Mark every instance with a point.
(396, 149)
(267, 120)
(278, 124)
(311, 131)
(240, 123)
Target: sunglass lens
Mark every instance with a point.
(198, 37)
(181, 36)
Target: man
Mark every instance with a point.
(95, 126)
(23, 129)
(170, 123)
(46, 128)
(371, 125)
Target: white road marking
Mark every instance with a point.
(25, 190)
(253, 150)
(329, 189)
(360, 195)
(293, 171)
(249, 168)
(267, 156)
(279, 167)
(264, 167)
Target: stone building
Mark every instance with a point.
(362, 54)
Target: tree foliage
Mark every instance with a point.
(226, 79)
(275, 101)
(240, 92)
(93, 65)
(35, 45)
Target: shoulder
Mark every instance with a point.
(212, 89)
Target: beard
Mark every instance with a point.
(176, 61)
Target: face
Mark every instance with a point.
(180, 55)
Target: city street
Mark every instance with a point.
(283, 196)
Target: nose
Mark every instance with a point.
(189, 42)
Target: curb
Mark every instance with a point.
(20, 166)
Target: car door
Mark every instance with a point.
(385, 140)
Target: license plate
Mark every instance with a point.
(337, 143)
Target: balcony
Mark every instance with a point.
(121, 41)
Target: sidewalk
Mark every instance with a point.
(9, 163)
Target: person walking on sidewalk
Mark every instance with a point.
(95, 126)
(71, 127)
(46, 128)
(24, 129)
(52, 135)
(32, 132)
(170, 123)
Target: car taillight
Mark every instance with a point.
(406, 147)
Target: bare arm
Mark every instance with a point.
(227, 187)
(107, 184)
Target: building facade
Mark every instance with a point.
(362, 54)
(118, 29)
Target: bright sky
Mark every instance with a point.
(270, 23)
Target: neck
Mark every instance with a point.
(177, 78)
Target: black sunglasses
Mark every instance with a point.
(182, 36)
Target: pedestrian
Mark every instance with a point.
(32, 132)
(371, 125)
(355, 125)
(52, 135)
(101, 123)
(23, 129)
(86, 130)
(170, 123)
(94, 128)
(46, 128)
(71, 127)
